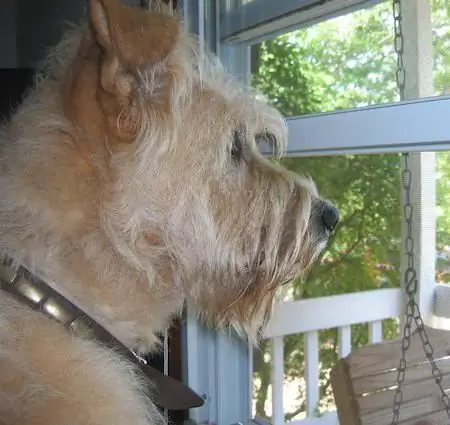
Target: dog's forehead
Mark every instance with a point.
(250, 107)
(221, 95)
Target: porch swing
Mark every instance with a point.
(371, 385)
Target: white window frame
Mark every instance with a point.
(254, 21)
(321, 134)
(217, 365)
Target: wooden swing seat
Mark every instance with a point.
(364, 383)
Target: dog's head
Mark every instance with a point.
(186, 197)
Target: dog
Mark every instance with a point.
(131, 183)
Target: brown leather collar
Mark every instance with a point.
(166, 392)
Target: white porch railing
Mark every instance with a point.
(313, 315)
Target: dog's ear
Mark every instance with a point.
(123, 43)
(132, 39)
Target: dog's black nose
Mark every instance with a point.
(330, 216)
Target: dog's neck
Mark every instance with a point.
(119, 306)
(81, 264)
(74, 305)
(33, 292)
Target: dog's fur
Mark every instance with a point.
(131, 182)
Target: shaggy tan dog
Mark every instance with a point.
(131, 183)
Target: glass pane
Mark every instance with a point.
(440, 21)
(364, 253)
(345, 62)
(443, 217)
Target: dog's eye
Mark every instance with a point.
(237, 148)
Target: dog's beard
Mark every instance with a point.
(244, 300)
(231, 263)
(240, 287)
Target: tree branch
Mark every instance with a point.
(326, 269)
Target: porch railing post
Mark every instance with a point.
(418, 59)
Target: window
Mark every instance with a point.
(330, 67)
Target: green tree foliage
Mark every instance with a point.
(443, 217)
(341, 64)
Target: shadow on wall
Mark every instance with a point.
(13, 83)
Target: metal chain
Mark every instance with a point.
(400, 72)
(410, 277)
